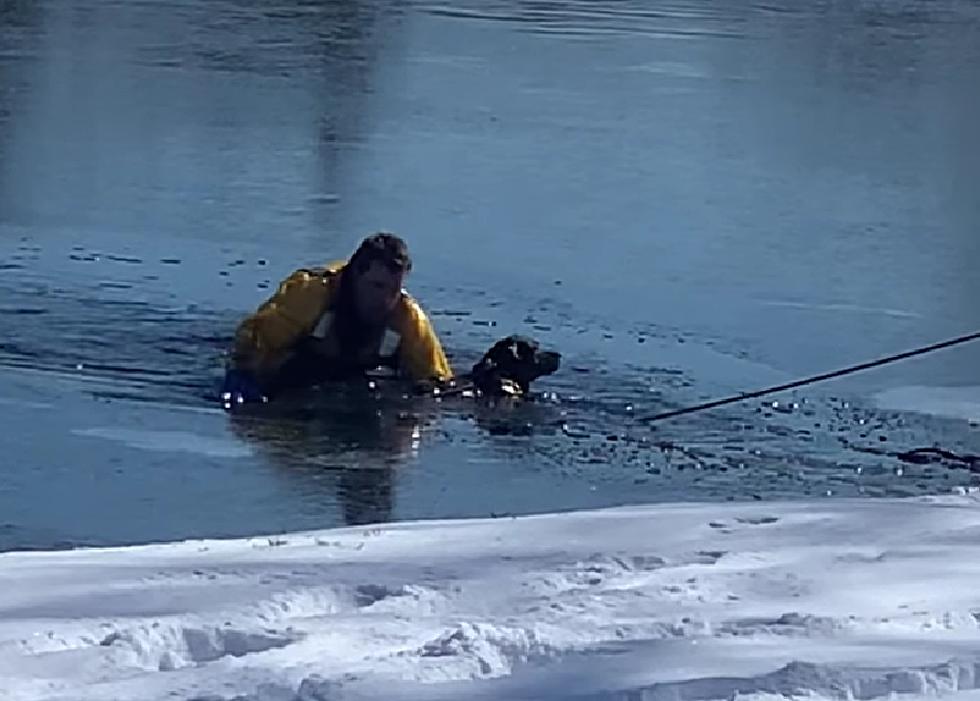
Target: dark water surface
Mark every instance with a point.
(686, 199)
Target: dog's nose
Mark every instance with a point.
(549, 361)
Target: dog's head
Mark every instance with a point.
(511, 365)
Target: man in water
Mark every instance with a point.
(336, 322)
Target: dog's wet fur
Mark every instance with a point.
(510, 366)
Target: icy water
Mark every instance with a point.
(687, 199)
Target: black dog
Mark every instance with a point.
(511, 365)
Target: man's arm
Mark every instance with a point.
(263, 339)
(420, 353)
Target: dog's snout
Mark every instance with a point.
(549, 361)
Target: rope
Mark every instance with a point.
(816, 378)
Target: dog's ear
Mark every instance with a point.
(501, 352)
(509, 347)
(523, 346)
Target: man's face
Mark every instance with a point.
(376, 290)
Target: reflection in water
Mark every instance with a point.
(344, 444)
(354, 438)
(243, 115)
(19, 20)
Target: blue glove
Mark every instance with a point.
(239, 387)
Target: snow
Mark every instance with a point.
(830, 599)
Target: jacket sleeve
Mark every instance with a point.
(420, 353)
(263, 339)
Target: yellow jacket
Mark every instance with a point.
(264, 339)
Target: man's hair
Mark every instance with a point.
(384, 247)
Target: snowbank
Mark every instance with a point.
(687, 602)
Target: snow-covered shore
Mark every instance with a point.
(680, 601)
